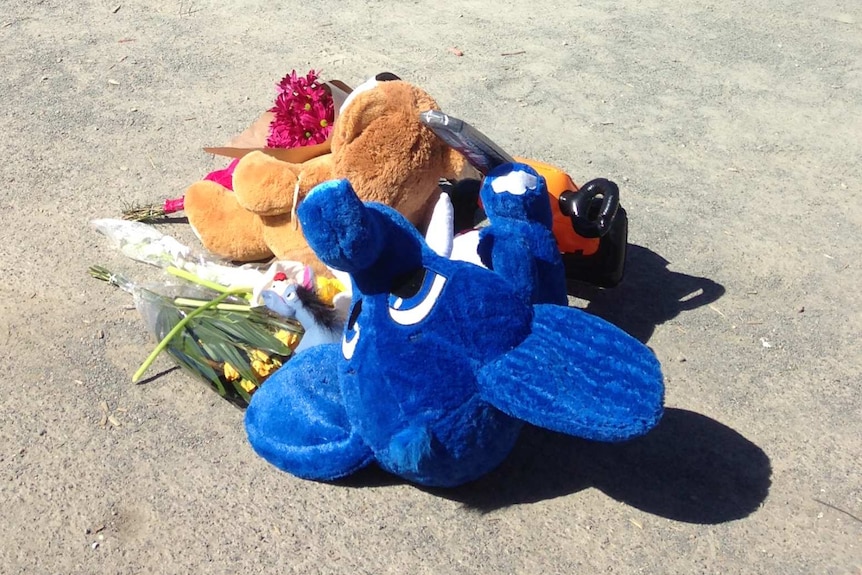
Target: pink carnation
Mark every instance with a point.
(304, 112)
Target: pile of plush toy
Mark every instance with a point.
(453, 336)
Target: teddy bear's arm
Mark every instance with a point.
(268, 186)
(223, 226)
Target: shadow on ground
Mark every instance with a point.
(649, 295)
(689, 468)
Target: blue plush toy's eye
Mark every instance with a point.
(351, 331)
(413, 309)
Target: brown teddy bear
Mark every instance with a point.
(377, 142)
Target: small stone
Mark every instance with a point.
(94, 545)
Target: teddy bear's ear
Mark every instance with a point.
(367, 85)
(386, 77)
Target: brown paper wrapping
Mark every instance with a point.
(254, 137)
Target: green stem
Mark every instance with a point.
(179, 327)
(188, 276)
(189, 302)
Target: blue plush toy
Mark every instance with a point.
(442, 361)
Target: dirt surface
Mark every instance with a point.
(735, 131)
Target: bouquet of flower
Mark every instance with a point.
(211, 317)
(304, 112)
(212, 333)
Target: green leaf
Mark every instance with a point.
(209, 375)
(243, 393)
(242, 330)
(226, 352)
(186, 351)
(188, 342)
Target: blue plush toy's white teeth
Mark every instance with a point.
(440, 234)
(516, 182)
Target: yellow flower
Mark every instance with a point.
(264, 369)
(230, 372)
(258, 355)
(247, 385)
(262, 364)
(328, 288)
(288, 338)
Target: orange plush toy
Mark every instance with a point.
(377, 142)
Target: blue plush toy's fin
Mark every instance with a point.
(297, 422)
(580, 375)
(519, 243)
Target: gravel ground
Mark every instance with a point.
(735, 132)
